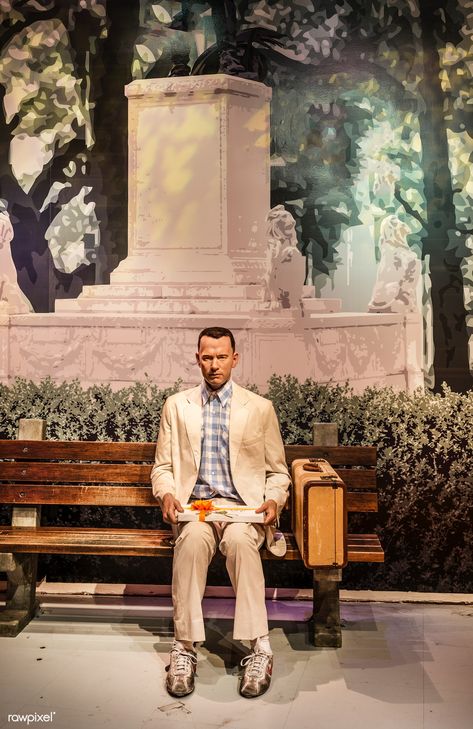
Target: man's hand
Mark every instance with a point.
(271, 510)
(169, 506)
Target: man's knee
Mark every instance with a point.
(195, 536)
(239, 538)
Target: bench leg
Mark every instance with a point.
(326, 617)
(21, 569)
(21, 602)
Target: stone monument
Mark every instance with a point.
(199, 197)
(199, 255)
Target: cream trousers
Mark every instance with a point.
(194, 548)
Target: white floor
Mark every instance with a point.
(402, 666)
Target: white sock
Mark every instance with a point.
(262, 645)
(183, 645)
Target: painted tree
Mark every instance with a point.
(46, 138)
(63, 143)
(112, 72)
(399, 47)
(443, 241)
(456, 75)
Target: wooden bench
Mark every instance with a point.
(34, 472)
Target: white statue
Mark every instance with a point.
(12, 299)
(398, 272)
(285, 264)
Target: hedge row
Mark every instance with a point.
(425, 458)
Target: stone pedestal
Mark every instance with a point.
(120, 349)
(198, 181)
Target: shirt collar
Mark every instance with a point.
(224, 393)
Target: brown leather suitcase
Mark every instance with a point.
(319, 513)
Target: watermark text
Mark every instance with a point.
(30, 718)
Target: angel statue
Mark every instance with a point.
(12, 299)
(398, 273)
(285, 264)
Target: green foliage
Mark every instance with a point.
(73, 413)
(425, 451)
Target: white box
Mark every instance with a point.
(223, 513)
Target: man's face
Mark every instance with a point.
(216, 360)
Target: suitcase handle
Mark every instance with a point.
(313, 465)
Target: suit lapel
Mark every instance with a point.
(238, 419)
(193, 421)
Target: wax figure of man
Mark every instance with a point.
(222, 442)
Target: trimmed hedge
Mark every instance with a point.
(425, 459)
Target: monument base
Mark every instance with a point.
(214, 299)
(121, 349)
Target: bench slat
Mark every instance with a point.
(362, 502)
(129, 473)
(142, 543)
(52, 450)
(359, 478)
(369, 553)
(85, 540)
(77, 472)
(336, 455)
(112, 451)
(360, 548)
(122, 496)
(67, 495)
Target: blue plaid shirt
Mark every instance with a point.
(214, 478)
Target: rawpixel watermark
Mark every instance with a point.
(31, 718)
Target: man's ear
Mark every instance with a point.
(197, 358)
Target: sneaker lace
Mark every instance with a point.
(256, 664)
(183, 661)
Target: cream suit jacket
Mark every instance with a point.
(257, 460)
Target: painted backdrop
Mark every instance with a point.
(371, 135)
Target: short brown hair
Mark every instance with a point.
(216, 333)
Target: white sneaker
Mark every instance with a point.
(181, 671)
(257, 674)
